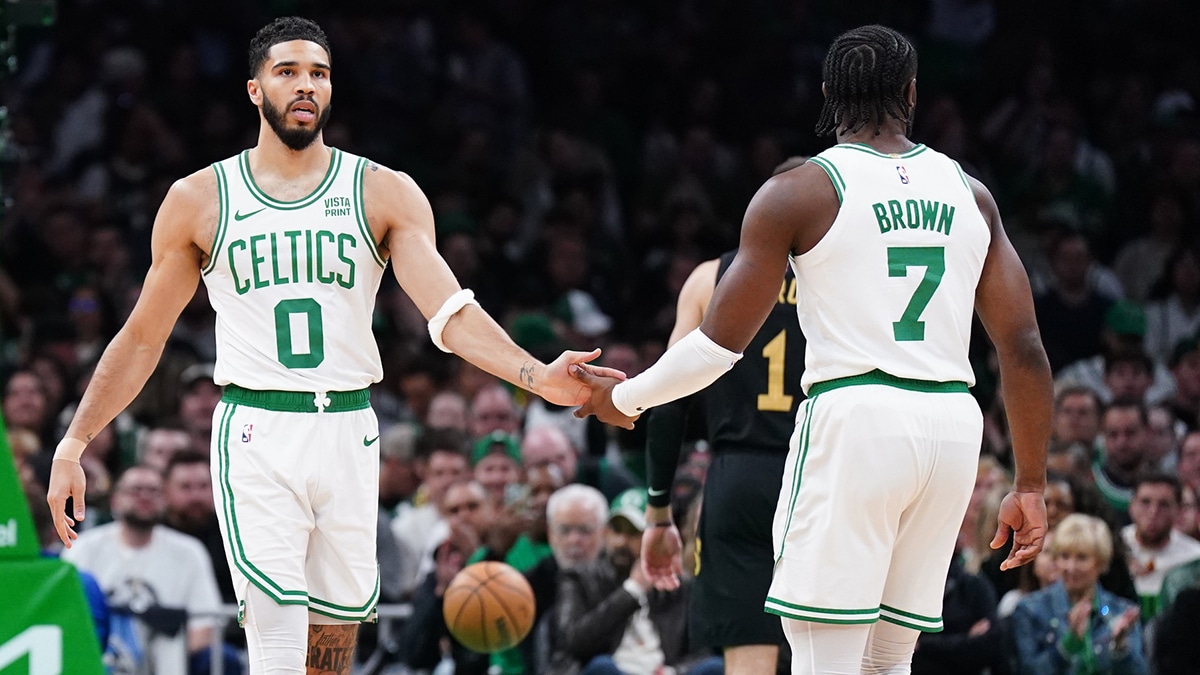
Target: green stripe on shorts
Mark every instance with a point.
(805, 433)
(238, 554)
(791, 610)
(925, 624)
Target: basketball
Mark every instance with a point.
(488, 607)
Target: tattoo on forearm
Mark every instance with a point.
(331, 649)
(527, 375)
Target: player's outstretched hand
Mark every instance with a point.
(1023, 514)
(558, 385)
(66, 480)
(662, 556)
(599, 403)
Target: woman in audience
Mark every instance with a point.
(1075, 626)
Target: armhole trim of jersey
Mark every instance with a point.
(360, 212)
(222, 218)
(835, 176)
(970, 191)
(963, 176)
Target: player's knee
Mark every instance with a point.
(889, 649)
(276, 635)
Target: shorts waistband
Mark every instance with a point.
(298, 401)
(880, 377)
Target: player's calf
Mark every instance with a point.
(331, 648)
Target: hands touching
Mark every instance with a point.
(558, 384)
(599, 401)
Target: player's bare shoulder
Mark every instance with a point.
(985, 201)
(190, 212)
(393, 201)
(801, 200)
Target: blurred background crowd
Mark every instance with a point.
(581, 159)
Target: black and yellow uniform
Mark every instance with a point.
(750, 413)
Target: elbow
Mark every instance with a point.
(1024, 349)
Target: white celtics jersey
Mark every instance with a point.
(891, 286)
(294, 283)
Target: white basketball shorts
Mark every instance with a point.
(297, 498)
(875, 486)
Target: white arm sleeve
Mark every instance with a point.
(449, 308)
(688, 366)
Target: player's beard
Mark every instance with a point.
(295, 138)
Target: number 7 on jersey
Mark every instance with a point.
(933, 258)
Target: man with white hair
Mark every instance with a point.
(575, 517)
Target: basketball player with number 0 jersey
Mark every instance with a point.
(291, 238)
(893, 248)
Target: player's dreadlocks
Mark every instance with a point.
(865, 73)
(284, 29)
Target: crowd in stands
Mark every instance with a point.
(581, 159)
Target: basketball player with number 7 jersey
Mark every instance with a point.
(291, 238)
(893, 248)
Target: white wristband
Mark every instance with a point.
(688, 366)
(70, 449)
(449, 308)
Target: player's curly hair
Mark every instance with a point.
(865, 73)
(284, 29)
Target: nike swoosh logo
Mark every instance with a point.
(242, 216)
(369, 441)
(656, 493)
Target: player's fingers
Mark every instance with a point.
(1002, 531)
(61, 526)
(1019, 556)
(584, 375)
(583, 357)
(601, 371)
(669, 582)
(80, 507)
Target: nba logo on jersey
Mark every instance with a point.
(902, 173)
(247, 429)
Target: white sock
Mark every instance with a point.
(276, 635)
(889, 649)
(825, 649)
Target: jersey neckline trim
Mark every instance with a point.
(863, 147)
(335, 163)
